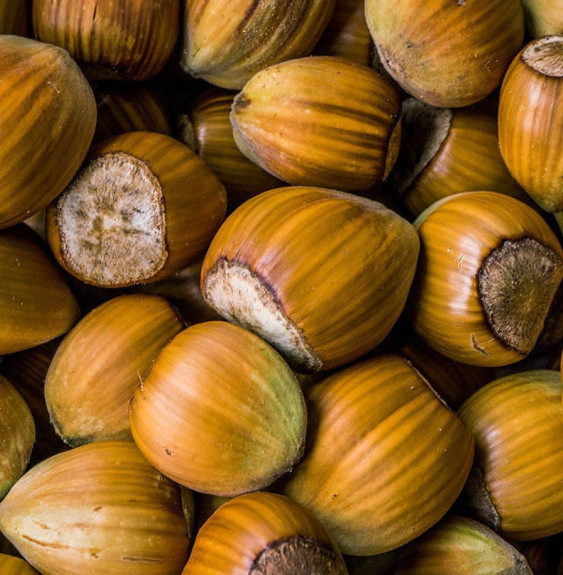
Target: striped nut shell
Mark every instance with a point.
(449, 54)
(530, 120)
(515, 483)
(489, 269)
(225, 42)
(262, 532)
(322, 275)
(386, 458)
(319, 121)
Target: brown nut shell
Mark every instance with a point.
(530, 120)
(142, 207)
(514, 487)
(260, 533)
(99, 364)
(287, 256)
(36, 304)
(99, 508)
(445, 151)
(17, 430)
(386, 458)
(448, 54)
(131, 39)
(220, 411)
(319, 121)
(347, 34)
(15, 17)
(489, 269)
(464, 546)
(225, 42)
(211, 134)
(47, 121)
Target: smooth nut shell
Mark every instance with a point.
(17, 430)
(131, 39)
(243, 534)
(101, 362)
(448, 54)
(270, 255)
(47, 121)
(514, 487)
(319, 121)
(386, 458)
(530, 120)
(36, 303)
(481, 295)
(225, 42)
(98, 508)
(220, 411)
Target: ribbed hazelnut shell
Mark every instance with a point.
(355, 255)
(26, 371)
(131, 39)
(36, 304)
(15, 17)
(530, 120)
(225, 42)
(209, 114)
(191, 197)
(131, 107)
(461, 545)
(101, 361)
(449, 54)
(517, 421)
(319, 121)
(385, 458)
(47, 121)
(17, 429)
(98, 508)
(457, 234)
(460, 152)
(13, 565)
(220, 411)
(347, 34)
(240, 530)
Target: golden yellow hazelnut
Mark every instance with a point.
(99, 508)
(447, 54)
(514, 485)
(17, 430)
(385, 459)
(220, 411)
(225, 42)
(13, 565)
(489, 269)
(543, 17)
(206, 128)
(47, 121)
(319, 121)
(322, 275)
(260, 533)
(461, 545)
(36, 303)
(141, 208)
(100, 363)
(445, 151)
(130, 39)
(347, 34)
(530, 120)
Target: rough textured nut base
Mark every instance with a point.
(112, 222)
